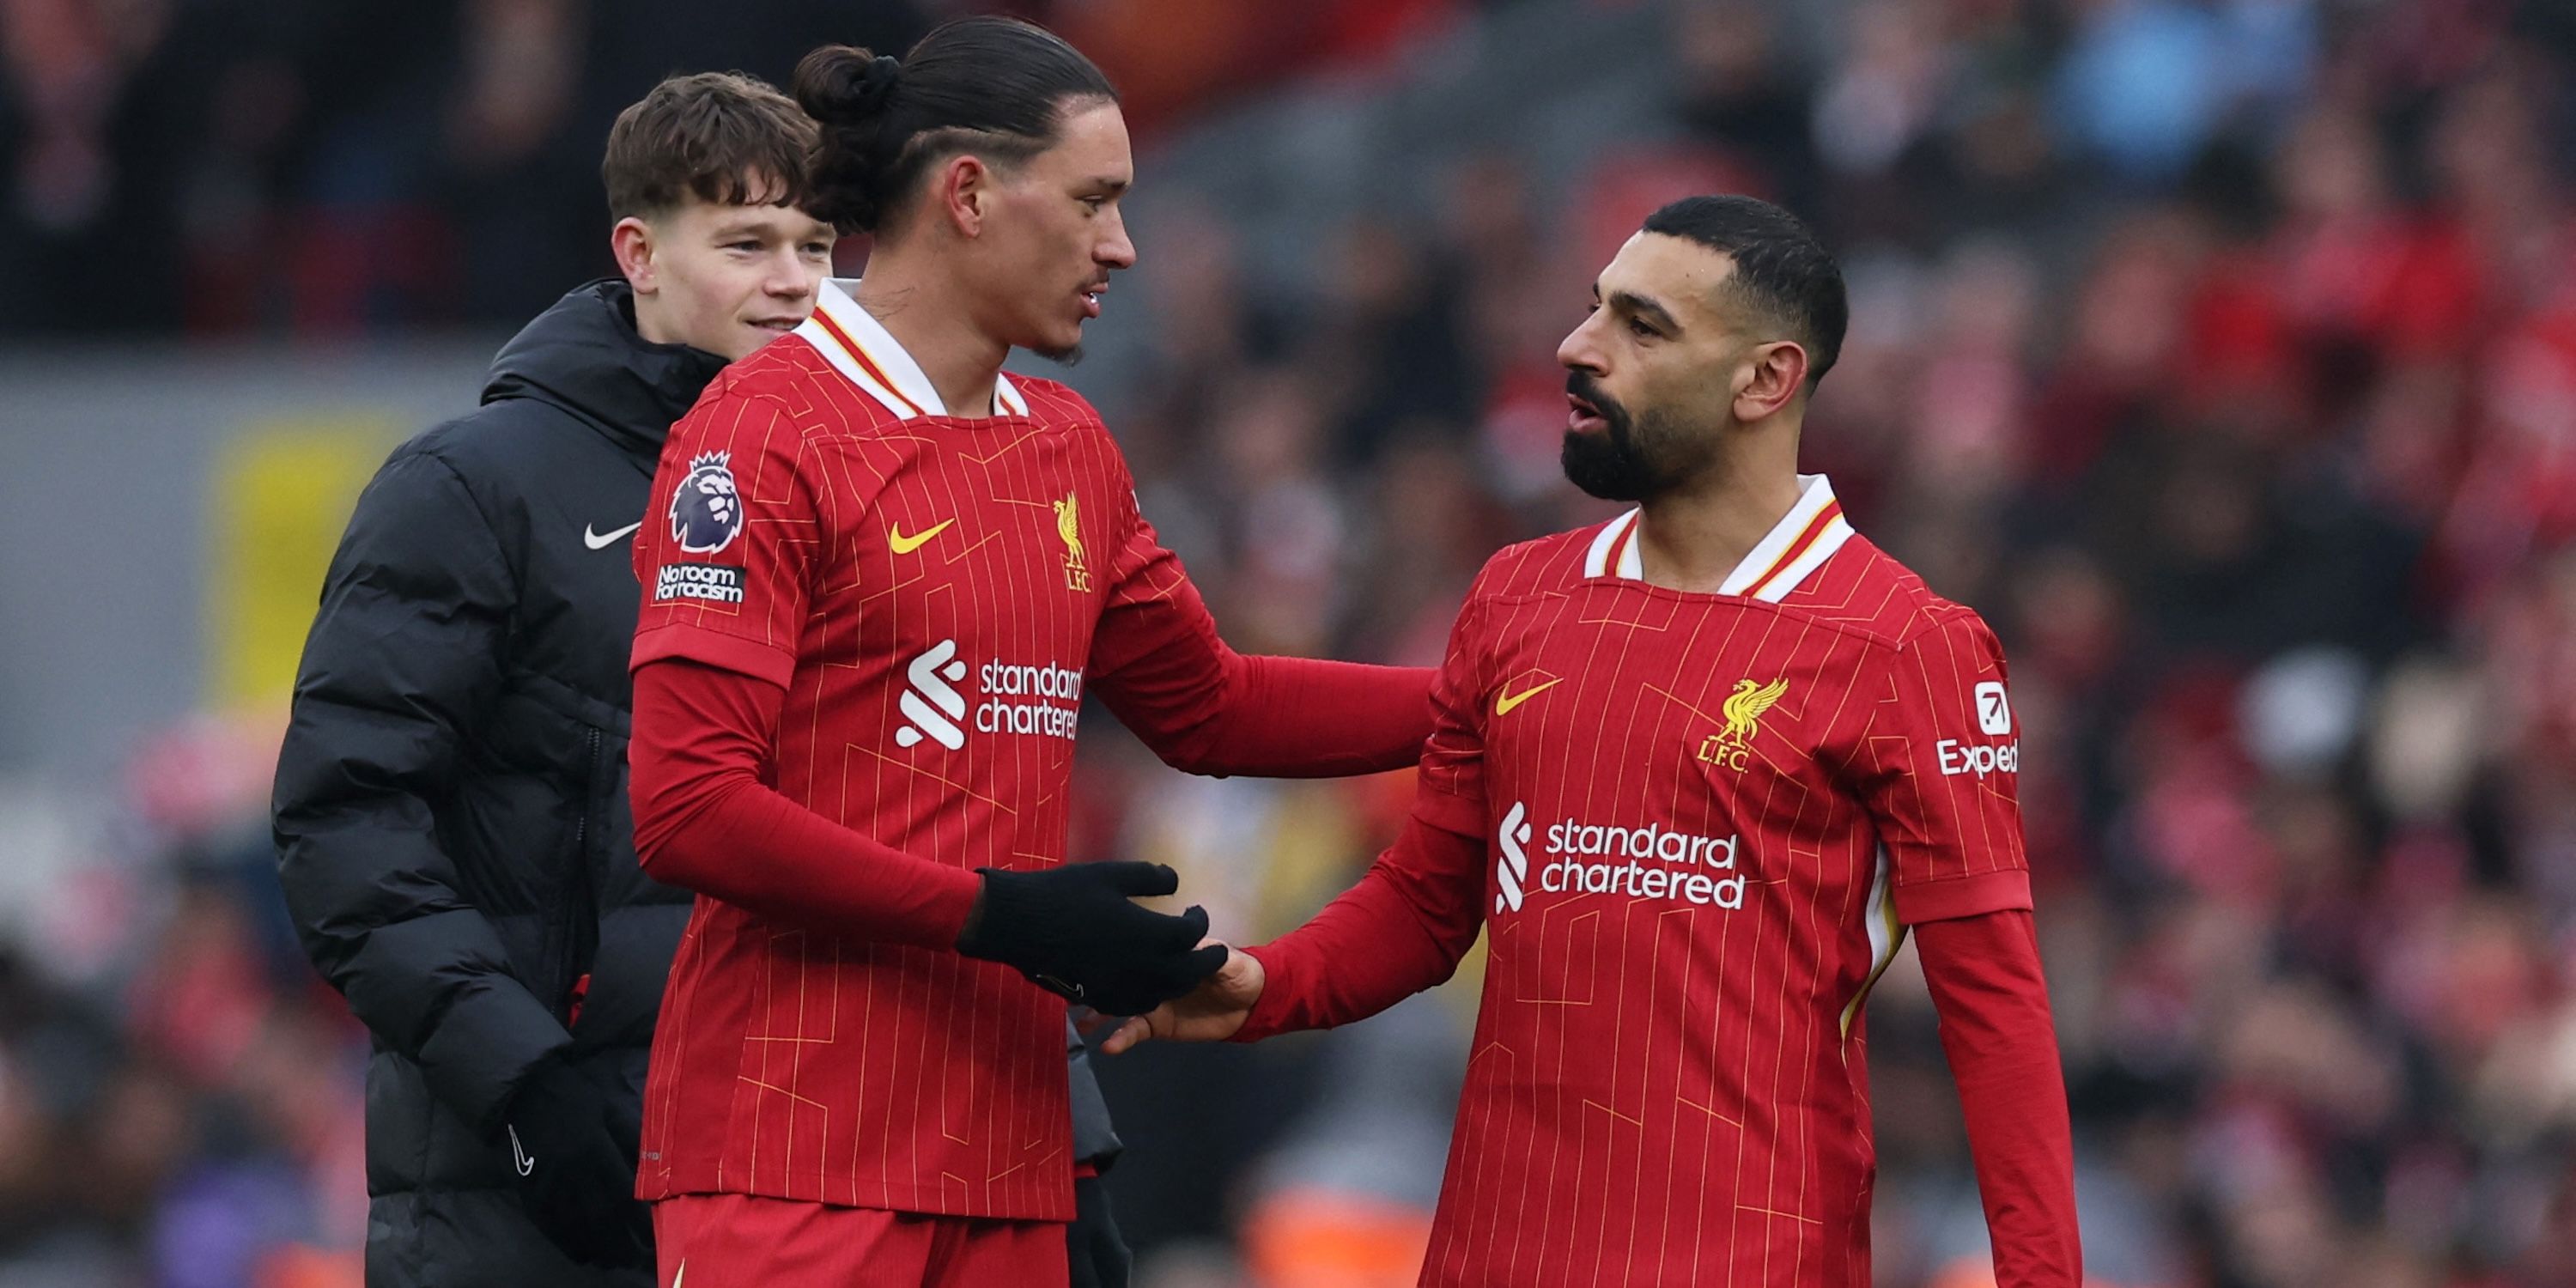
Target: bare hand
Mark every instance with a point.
(1212, 1012)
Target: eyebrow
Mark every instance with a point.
(1631, 302)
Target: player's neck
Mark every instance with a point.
(961, 361)
(1689, 539)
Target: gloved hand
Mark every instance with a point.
(574, 1153)
(1094, 1250)
(1073, 931)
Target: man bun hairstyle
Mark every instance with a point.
(1783, 275)
(721, 137)
(997, 87)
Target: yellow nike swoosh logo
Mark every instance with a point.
(1504, 703)
(903, 545)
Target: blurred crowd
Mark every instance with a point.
(324, 168)
(2221, 352)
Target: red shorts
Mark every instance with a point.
(741, 1241)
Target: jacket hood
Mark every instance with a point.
(583, 355)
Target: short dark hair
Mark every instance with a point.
(1781, 271)
(722, 137)
(994, 86)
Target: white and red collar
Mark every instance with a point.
(860, 348)
(1793, 550)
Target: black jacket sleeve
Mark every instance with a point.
(1095, 1140)
(404, 658)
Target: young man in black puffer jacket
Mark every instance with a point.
(451, 805)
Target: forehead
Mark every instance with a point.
(750, 216)
(1090, 144)
(1676, 272)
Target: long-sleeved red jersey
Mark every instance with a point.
(867, 629)
(1695, 829)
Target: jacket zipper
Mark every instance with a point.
(589, 790)
(571, 972)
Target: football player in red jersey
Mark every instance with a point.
(880, 577)
(1697, 771)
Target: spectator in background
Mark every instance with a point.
(450, 807)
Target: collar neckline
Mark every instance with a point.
(863, 351)
(1783, 560)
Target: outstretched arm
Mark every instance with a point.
(1995, 1028)
(1158, 662)
(1207, 709)
(1400, 930)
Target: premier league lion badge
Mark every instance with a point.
(706, 511)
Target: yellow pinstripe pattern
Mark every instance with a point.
(1653, 1084)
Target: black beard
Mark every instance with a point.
(1608, 464)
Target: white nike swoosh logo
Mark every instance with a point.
(603, 540)
(521, 1157)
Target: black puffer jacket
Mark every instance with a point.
(451, 810)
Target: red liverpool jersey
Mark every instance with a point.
(928, 588)
(1707, 819)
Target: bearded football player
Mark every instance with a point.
(1697, 772)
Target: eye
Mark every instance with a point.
(818, 248)
(745, 244)
(1095, 203)
(1642, 331)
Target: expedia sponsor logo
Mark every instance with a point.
(1994, 717)
(1042, 700)
(1994, 710)
(715, 583)
(1648, 862)
(1979, 758)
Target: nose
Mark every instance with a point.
(791, 277)
(1115, 250)
(1580, 351)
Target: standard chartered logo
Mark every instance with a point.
(1514, 869)
(930, 702)
(1648, 862)
(1043, 700)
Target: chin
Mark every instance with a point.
(1063, 347)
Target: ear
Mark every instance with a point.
(1771, 377)
(631, 241)
(964, 190)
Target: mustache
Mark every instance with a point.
(1580, 384)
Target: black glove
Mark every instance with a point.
(1073, 931)
(575, 1157)
(1098, 1256)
